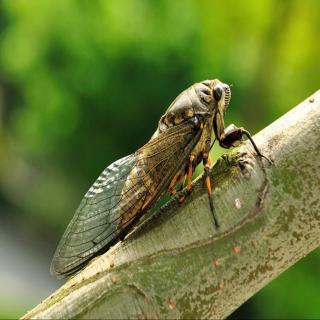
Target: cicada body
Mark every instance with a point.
(130, 186)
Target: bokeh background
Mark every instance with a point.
(83, 83)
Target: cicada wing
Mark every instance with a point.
(156, 164)
(163, 156)
(94, 225)
(122, 193)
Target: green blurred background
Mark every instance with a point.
(83, 83)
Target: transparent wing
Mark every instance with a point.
(85, 234)
(124, 191)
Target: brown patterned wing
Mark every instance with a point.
(123, 192)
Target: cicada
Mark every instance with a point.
(129, 187)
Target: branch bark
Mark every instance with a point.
(177, 265)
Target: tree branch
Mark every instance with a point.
(178, 265)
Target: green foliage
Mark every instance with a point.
(85, 82)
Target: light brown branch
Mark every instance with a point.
(178, 265)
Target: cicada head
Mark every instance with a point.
(218, 97)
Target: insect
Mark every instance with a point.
(127, 188)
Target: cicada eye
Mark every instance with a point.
(217, 93)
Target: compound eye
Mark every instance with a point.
(217, 93)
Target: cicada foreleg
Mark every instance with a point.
(233, 135)
(206, 174)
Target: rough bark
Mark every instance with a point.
(177, 265)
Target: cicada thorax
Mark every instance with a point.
(192, 102)
(197, 103)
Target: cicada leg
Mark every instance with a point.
(171, 189)
(233, 134)
(182, 182)
(207, 181)
(190, 172)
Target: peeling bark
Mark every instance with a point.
(176, 264)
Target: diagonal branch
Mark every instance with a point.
(178, 265)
